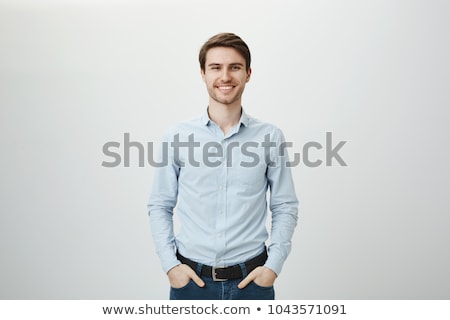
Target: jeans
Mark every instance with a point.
(222, 290)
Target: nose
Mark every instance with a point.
(225, 77)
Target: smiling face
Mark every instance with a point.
(225, 76)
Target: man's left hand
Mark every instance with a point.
(262, 276)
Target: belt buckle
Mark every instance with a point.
(214, 276)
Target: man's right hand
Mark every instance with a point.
(180, 275)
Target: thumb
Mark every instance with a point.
(245, 281)
(198, 281)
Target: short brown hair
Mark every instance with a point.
(229, 40)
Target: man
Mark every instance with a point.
(219, 167)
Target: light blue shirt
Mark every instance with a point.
(217, 185)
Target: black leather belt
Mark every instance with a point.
(225, 273)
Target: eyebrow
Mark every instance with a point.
(231, 64)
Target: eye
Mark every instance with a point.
(236, 68)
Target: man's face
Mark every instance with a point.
(225, 75)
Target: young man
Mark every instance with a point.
(218, 169)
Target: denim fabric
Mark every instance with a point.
(224, 290)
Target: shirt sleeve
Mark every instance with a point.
(283, 204)
(162, 201)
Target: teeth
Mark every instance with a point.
(226, 88)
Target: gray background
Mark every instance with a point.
(77, 74)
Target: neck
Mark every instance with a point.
(226, 116)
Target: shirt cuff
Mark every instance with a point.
(169, 262)
(275, 262)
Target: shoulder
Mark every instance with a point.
(265, 127)
(184, 127)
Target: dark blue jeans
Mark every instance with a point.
(222, 290)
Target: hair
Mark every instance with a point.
(228, 40)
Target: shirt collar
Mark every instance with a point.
(205, 118)
(244, 120)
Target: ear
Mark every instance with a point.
(202, 72)
(249, 73)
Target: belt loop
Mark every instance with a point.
(199, 269)
(244, 269)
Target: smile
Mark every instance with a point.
(225, 88)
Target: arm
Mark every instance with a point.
(284, 208)
(160, 206)
(160, 209)
(283, 205)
